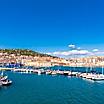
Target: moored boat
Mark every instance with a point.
(66, 73)
(54, 72)
(48, 72)
(98, 77)
(90, 76)
(6, 82)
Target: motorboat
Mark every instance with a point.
(6, 82)
(98, 77)
(90, 76)
(66, 73)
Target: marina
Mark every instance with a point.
(51, 52)
(55, 89)
(88, 75)
(91, 75)
(53, 71)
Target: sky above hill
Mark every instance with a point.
(51, 25)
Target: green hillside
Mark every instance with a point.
(24, 52)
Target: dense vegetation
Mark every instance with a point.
(24, 52)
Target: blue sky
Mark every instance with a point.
(50, 25)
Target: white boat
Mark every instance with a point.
(6, 82)
(70, 73)
(60, 72)
(48, 72)
(90, 75)
(99, 77)
(66, 73)
(74, 73)
(39, 72)
(53, 73)
(83, 75)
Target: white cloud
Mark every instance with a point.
(95, 50)
(72, 46)
(49, 53)
(72, 52)
(79, 48)
(76, 51)
(99, 53)
(80, 52)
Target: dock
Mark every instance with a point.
(90, 76)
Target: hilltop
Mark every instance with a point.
(25, 52)
(28, 58)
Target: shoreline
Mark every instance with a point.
(92, 75)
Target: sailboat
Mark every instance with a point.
(99, 77)
(3, 77)
(0, 83)
(4, 80)
(90, 75)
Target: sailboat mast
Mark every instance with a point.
(102, 69)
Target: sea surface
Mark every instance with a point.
(47, 89)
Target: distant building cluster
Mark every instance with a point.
(30, 60)
(91, 61)
(44, 61)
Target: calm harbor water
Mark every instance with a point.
(47, 89)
